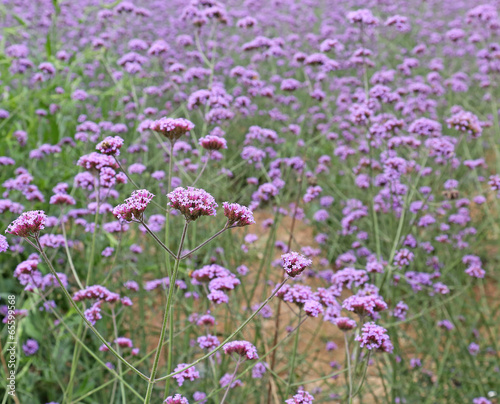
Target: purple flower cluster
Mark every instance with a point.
(238, 215)
(172, 128)
(192, 202)
(294, 263)
(375, 337)
(29, 224)
(244, 349)
(134, 207)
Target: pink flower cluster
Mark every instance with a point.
(192, 202)
(134, 207)
(28, 224)
(294, 263)
(110, 146)
(172, 128)
(238, 215)
(242, 348)
(375, 337)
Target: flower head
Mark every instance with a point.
(211, 142)
(110, 146)
(28, 224)
(176, 399)
(294, 263)
(189, 373)
(134, 207)
(192, 202)
(4, 246)
(238, 215)
(172, 128)
(302, 397)
(242, 348)
(375, 337)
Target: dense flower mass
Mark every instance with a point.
(238, 215)
(172, 128)
(192, 202)
(242, 348)
(110, 146)
(134, 207)
(375, 337)
(28, 224)
(361, 136)
(294, 263)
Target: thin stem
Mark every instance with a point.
(115, 327)
(156, 238)
(96, 218)
(294, 356)
(89, 324)
(151, 380)
(349, 370)
(231, 381)
(362, 377)
(205, 242)
(70, 261)
(228, 338)
(201, 172)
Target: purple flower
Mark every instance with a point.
(134, 207)
(375, 337)
(258, 370)
(302, 397)
(473, 348)
(107, 252)
(30, 347)
(313, 308)
(238, 215)
(208, 342)
(294, 263)
(345, 323)
(363, 305)
(62, 199)
(481, 400)
(467, 122)
(192, 202)
(176, 399)
(110, 146)
(4, 246)
(189, 373)
(28, 224)
(172, 128)
(403, 258)
(212, 143)
(242, 348)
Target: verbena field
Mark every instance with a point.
(249, 201)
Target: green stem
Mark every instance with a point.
(80, 313)
(228, 338)
(349, 369)
(151, 380)
(294, 357)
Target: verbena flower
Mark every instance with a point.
(134, 207)
(192, 202)
(172, 128)
(302, 397)
(212, 143)
(294, 263)
(28, 224)
(4, 246)
(374, 337)
(186, 374)
(110, 146)
(176, 399)
(242, 348)
(238, 215)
